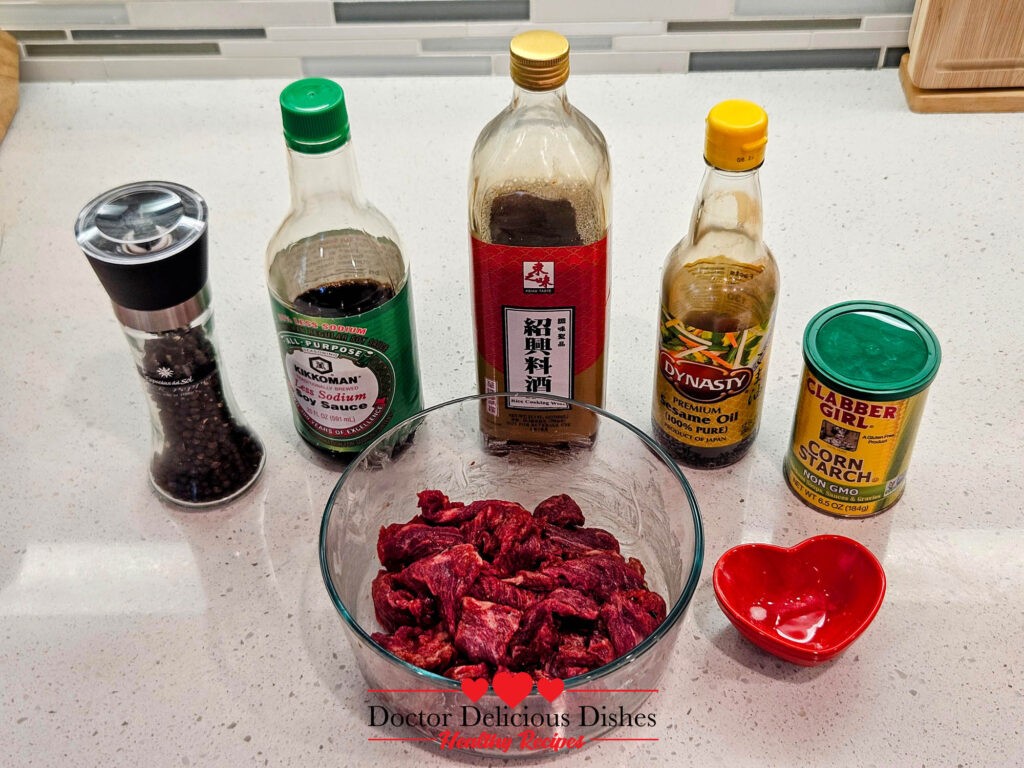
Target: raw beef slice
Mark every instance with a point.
(630, 616)
(447, 576)
(485, 630)
(599, 574)
(396, 607)
(562, 511)
(438, 510)
(400, 544)
(429, 649)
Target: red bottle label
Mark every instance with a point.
(540, 313)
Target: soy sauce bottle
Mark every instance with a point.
(719, 294)
(339, 286)
(539, 207)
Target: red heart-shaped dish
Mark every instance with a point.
(804, 604)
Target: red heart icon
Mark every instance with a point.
(804, 604)
(512, 688)
(474, 689)
(550, 689)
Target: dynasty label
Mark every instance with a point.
(709, 383)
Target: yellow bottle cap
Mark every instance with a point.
(737, 132)
(540, 60)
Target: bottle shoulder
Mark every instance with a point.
(312, 254)
(724, 248)
(723, 245)
(547, 151)
(327, 215)
(591, 127)
(556, 140)
(723, 272)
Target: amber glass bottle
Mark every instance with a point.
(539, 206)
(719, 293)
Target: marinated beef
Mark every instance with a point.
(471, 589)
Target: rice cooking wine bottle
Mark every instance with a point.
(539, 207)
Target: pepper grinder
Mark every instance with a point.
(147, 243)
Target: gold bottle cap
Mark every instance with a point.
(540, 60)
(737, 132)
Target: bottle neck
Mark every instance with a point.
(328, 176)
(728, 200)
(524, 98)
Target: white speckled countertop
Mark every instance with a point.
(134, 633)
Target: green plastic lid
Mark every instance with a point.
(314, 115)
(871, 350)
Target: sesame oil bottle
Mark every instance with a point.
(719, 293)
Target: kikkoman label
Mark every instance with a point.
(709, 383)
(350, 378)
(849, 456)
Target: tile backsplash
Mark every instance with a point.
(169, 39)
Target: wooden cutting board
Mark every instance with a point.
(967, 44)
(8, 81)
(965, 56)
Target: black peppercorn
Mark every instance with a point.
(206, 455)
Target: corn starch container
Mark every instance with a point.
(867, 367)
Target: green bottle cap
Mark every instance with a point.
(314, 115)
(871, 350)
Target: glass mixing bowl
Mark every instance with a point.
(623, 482)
